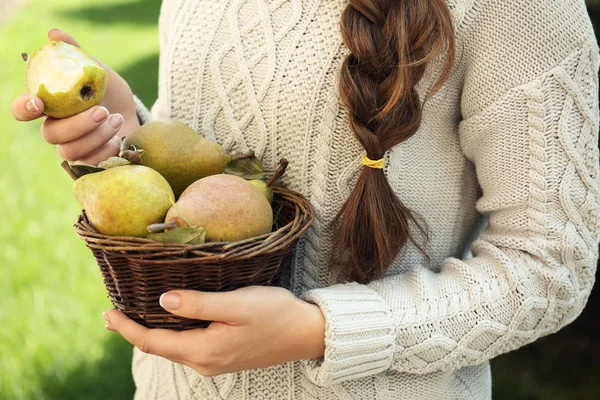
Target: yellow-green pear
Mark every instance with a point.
(123, 201)
(66, 78)
(264, 188)
(177, 151)
(226, 206)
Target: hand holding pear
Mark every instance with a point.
(89, 136)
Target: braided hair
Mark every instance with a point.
(390, 43)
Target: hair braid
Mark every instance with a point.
(390, 43)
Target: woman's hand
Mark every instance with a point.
(254, 327)
(91, 136)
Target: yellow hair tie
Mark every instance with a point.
(373, 163)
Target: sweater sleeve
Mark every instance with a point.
(533, 266)
(141, 110)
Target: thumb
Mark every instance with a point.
(223, 306)
(58, 35)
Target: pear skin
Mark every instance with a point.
(123, 201)
(264, 188)
(176, 151)
(226, 206)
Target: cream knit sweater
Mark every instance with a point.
(509, 144)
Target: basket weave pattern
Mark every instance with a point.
(137, 271)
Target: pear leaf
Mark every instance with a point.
(112, 162)
(81, 169)
(190, 234)
(247, 168)
(200, 239)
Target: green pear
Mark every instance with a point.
(177, 151)
(226, 206)
(123, 201)
(264, 188)
(66, 78)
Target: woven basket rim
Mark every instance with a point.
(260, 245)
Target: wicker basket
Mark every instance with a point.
(137, 271)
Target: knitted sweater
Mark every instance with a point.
(504, 170)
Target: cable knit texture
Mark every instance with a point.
(509, 145)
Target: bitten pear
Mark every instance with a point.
(176, 151)
(123, 201)
(65, 78)
(226, 206)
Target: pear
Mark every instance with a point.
(67, 79)
(264, 188)
(124, 200)
(176, 151)
(226, 206)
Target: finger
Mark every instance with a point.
(60, 131)
(160, 342)
(27, 108)
(58, 35)
(223, 306)
(91, 142)
(110, 149)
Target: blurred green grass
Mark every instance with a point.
(53, 344)
(52, 341)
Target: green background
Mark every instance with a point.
(52, 341)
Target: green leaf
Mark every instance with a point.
(200, 239)
(81, 170)
(190, 234)
(247, 168)
(112, 162)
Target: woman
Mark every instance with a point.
(385, 301)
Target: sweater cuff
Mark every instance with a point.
(142, 112)
(359, 334)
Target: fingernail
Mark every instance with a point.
(99, 114)
(115, 120)
(106, 316)
(53, 29)
(170, 301)
(109, 327)
(31, 106)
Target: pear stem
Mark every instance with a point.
(156, 228)
(242, 155)
(134, 157)
(69, 170)
(24, 56)
(283, 163)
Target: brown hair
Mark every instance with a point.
(390, 43)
